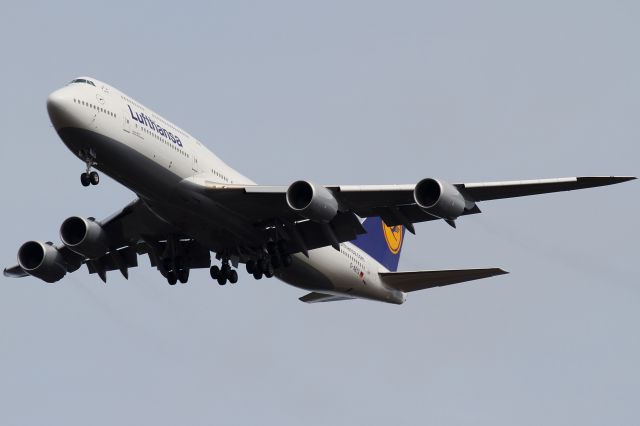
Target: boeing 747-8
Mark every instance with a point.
(336, 241)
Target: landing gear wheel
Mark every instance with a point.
(84, 179)
(183, 275)
(233, 276)
(251, 266)
(222, 280)
(215, 272)
(257, 275)
(269, 271)
(172, 279)
(94, 178)
(225, 270)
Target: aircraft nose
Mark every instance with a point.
(57, 107)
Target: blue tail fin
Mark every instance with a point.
(382, 242)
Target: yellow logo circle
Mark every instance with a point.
(393, 236)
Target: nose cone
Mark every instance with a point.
(59, 108)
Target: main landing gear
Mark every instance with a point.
(264, 262)
(275, 258)
(176, 271)
(89, 177)
(224, 273)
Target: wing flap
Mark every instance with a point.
(421, 280)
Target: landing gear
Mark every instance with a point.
(274, 256)
(175, 269)
(214, 271)
(92, 178)
(224, 274)
(183, 275)
(89, 177)
(264, 262)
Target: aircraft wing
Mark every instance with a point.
(131, 231)
(263, 205)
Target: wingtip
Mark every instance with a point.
(595, 181)
(620, 179)
(501, 271)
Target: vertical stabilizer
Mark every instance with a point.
(382, 242)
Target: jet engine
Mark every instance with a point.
(84, 236)
(311, 201)
(439, 199)
(42, 260)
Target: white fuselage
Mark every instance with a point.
(154, 158)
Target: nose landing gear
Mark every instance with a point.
(89, 177)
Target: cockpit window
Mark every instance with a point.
(82, 80)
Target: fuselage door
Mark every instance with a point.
(126, 121)
(194, 161)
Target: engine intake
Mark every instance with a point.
(42, 260)
(311, 201)
(439, 199)
(84, 236)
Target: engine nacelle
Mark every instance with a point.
(311, 201)
(42, 260)
(84, 236)
(439, 199)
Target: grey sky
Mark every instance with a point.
(349, 92)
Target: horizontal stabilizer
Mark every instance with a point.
(420, 280)
(321, 297)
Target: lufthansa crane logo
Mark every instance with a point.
(393, 236)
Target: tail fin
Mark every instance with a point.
(382, 242)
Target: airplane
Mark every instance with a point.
(338, 242)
